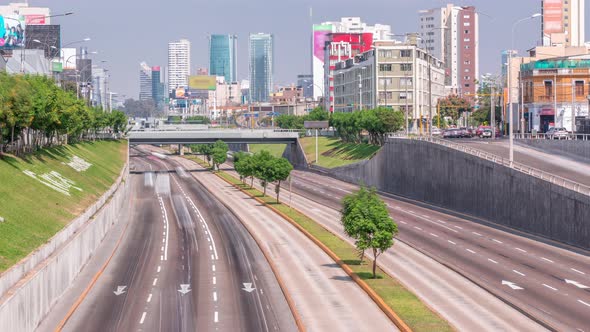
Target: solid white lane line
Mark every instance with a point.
(520, 249)
(471, 251)
(208, 231)
(493, 261)
(522, 274)
(550, 287)
(214, 280)
(149, 298)
(547, 259)
(216, 317)
(155, 281)
(584, 303)
(159, 268)
(418, 228)
(142, 317)
(497, 241)
(434, 235)
(214, 296)
(580, 272)
(476, 233)
(451, 242)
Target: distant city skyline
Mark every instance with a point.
(290, 22)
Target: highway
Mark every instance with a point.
(547, 282)
(185, 263)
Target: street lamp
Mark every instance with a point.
(510, 112)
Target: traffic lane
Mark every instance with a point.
(553, 164)
(325, 297)
(238, 262)
(130, 268)
(424, 235)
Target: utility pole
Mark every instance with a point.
(573, 106)
(429, 97)
(407, 110)
(360, 93)
(493, 111)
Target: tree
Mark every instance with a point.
(317, 114)
(366, 219)
(282, 170)
(244, 165)
(206, 150)
(263, 168)
(219, 153)
(453, 107)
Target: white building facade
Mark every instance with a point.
(179, 64)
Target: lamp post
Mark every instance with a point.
(510, 111)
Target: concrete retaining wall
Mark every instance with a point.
(573, 149)
(30, 288)
(464, 183)
(295, 154)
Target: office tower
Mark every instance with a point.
(222, 56)
(451, 34)
(145, 82)
(157, 87)
(261, 66)
(179, 64)
(305, 82)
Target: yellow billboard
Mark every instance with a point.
(202, 82)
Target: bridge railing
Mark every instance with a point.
(554, 179)
(539, 136)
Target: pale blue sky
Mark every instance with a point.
(126, 32)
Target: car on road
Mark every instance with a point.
(436, 132)
(486, 133)
(557, 133)
(452, 133)
(466, 132)
(480, 130)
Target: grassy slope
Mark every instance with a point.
(274, 149)
(406, 304)
(334, 153)
(35, 212)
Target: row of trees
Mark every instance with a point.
(35, 112)
(215, 154)
(286, 121)
(375, 122)
(263, 166)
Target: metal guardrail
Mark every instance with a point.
(572, 137)
(554, 179)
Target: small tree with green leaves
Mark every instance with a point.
(366, 219)
(219, 153)
(263, 168)
(282, 170)
(244, 165)
(206, 150)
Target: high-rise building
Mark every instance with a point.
(157, 87)
(506, 54)
(145, 82)
(451, 34)
(563, 22)
(305, 82)
(261, 66)
(321, 33)
(179, 64)
(223, 60)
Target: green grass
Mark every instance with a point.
(33, 212)
(274, 149)
(408, 307)
(198, 159)
(335, 153)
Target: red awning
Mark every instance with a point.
(547, 111)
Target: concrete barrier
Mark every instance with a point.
(296, 156)
(29, 289)
(579, 150)
(467, 184)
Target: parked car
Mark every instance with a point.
(452, 133)
(486, 133)
(480, 130)
(557, 133)
(436, 131)
(466, 132)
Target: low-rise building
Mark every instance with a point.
(398, 75)
(555, 92)
(287, 95)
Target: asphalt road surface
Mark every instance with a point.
(185, 263)
(547, 282)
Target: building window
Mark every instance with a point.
(467, 24)
(579, 88)
(385, 67)
(548, 88)
(405, 53)
(404, 95)
(406, 67)
(406, 81)
(386, 54)
(385, 81)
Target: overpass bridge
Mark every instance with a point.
(230, 136)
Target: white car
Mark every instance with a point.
(557, 133)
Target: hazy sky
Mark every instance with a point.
(126, 32)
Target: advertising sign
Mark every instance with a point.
(180, 93)
(57, 67)
(12, 32)
(552, 16)
(35, 19)
(320, 37)
(202, 82)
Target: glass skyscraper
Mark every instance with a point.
(157, 87)
(261, 66)
(223, 60)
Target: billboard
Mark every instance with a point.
(201, 82)
(50, 37)
(12, 32)
(552, 16)
(68, 57)
(320, 37)
(36, 19)
(179, 93)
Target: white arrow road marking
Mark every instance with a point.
(511, 285)
(248, 287)
(120, 290)
(184, 288)
(575, 283)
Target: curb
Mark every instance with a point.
(401, 325)
(288, 298)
